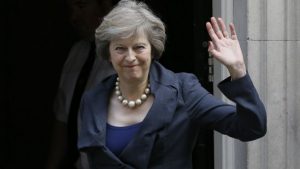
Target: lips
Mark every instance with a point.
(130, 66)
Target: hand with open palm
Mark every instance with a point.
(226, 48)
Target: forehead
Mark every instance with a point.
(135, 39)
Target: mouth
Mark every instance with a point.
(130, 66)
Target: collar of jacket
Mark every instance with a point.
(164, 87)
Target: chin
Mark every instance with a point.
(134, 77)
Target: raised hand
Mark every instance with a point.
(225, 47)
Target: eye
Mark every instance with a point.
(119, 48)
(140, 47)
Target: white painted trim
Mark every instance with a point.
(228, 153)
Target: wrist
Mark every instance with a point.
(237, 71)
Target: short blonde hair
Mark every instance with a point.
(126, 19)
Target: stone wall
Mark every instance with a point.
(269, 32)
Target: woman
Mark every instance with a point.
(146, 116)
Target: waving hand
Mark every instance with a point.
(225, 47)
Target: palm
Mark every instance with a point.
(228, 51)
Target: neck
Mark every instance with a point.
(133, 90)
(132, 99)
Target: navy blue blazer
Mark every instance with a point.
(168, 134)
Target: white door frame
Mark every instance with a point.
(229, 153)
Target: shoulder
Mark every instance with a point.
(161, 76)
(184, 77)
(105, 86)
(189, 85)
(167, 76)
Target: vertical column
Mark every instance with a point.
(272, 48)
(293, 83)
(270, 40)
(273, 57)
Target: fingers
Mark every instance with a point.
(216, 28)
(219, 28)
(210, 46)
(211, 32)
(223, 27)
(232, 31)
(212, 50)
(218, 33)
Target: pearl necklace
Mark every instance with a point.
(131, 103)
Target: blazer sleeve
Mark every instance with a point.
(246, 120)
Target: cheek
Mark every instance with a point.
(148, 56)
(114, 64)
(112, 59)
(115, 58)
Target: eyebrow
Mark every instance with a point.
(139, 43)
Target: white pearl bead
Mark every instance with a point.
(147, 90)
(144, 97)
(118, 93)
(131, 104)
(120, 98)
(125, 102)
(138, 102)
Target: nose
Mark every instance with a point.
(131, 56)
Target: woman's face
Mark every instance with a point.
(131, 57)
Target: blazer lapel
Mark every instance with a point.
(95, 139)
(99, 110)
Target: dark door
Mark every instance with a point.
(35, 40)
